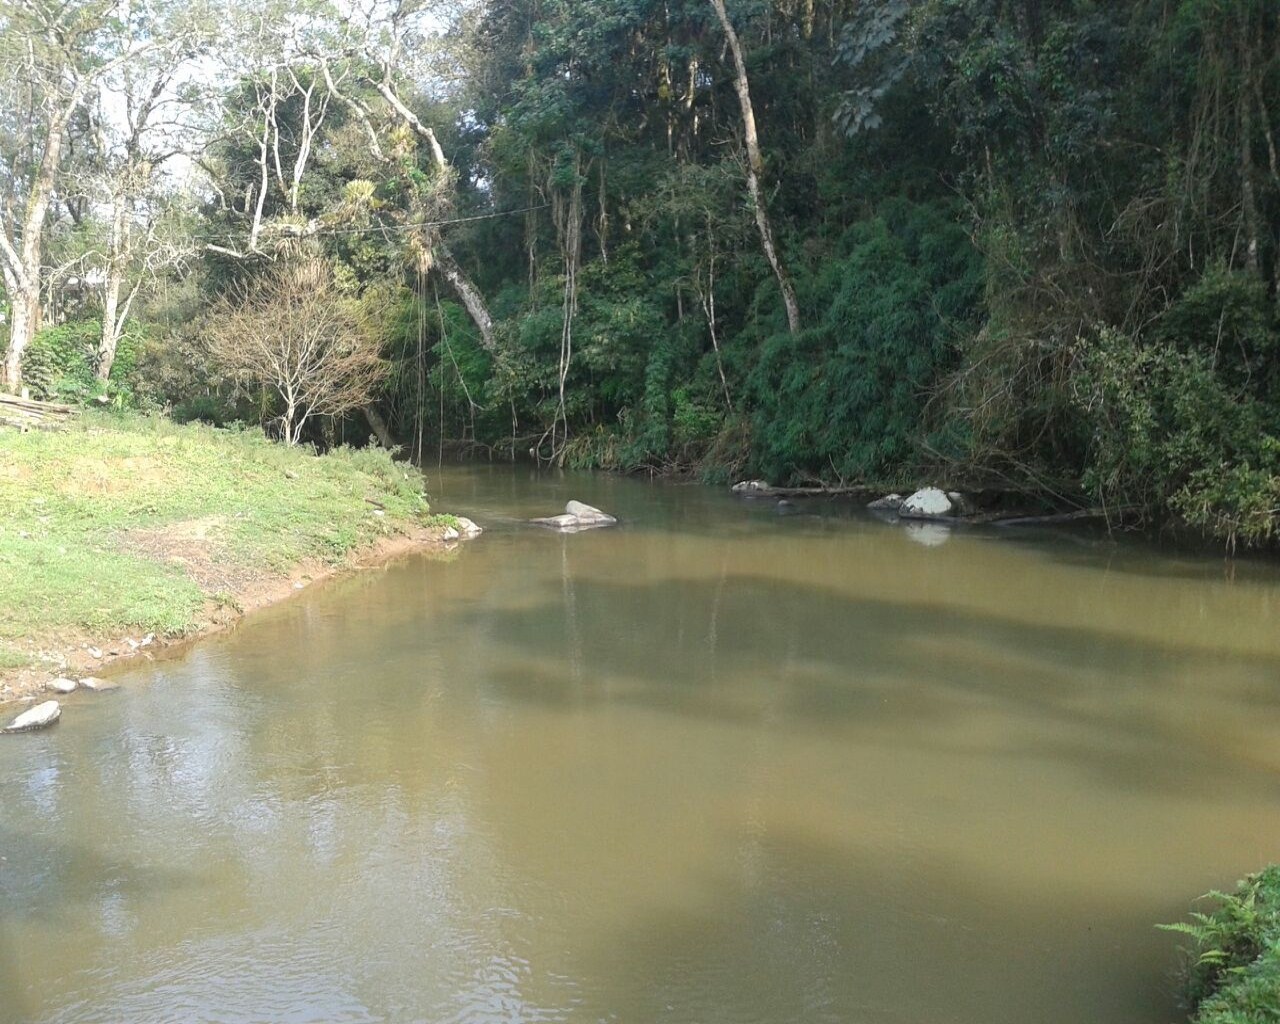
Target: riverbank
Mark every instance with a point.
(121, 535)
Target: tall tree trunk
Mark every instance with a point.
(755, 168)
(113, 316)
(24, 261)
(466, 291)
(1249, 202)
(22, 327)
(379, 427)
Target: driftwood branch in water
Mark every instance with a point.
(810, 492)
(1058, 517)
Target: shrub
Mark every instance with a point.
(58, 364)
(1168, 435)
(1234, 976)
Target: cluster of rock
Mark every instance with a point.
(465, 530)
(576, 517)
(926, 503)
(44, 714)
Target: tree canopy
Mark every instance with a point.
(1011, 243)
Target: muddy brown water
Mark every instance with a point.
(713, 765)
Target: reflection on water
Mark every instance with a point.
(714, 765)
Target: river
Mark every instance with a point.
(715, 764)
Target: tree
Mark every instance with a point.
(52, 55)
(290, 331)
(145, 116)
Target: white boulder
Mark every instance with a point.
(61, 685)
(587, 513)
(926, 503)
(98, 685)
(467, 528)
(575, 517)
(751, 486)
(39, 717)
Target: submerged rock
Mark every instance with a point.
(575, 517)
(98, 685)
(889, 503)
(751, 486)
(39, 717)
(61, 685)
(926, 503)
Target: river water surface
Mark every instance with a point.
(715, 764)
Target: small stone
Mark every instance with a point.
(378, 512)
(61, 685)
(450, 534)
(299, 585)
(98, 685)
(95, 653)
(38, 717)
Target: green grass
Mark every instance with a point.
(92, 519)
(1234, 976)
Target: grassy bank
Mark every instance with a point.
(1234, 977)
(122, 526)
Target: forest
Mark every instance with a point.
(1022, 245)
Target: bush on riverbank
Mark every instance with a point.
(129, 524)
(1235, 976)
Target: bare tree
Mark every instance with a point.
(289, 330)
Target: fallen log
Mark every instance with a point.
(769, 491)
(27, 413)
(1059, 517)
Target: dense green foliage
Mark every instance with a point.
(1035, 245)
(1234, 977)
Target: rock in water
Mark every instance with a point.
(576, 517)
(587, 513)
(925, 503)
(39, 717)
(450, 534)
(467, 528)
(98, 685)
(61, 685)
(889, 503)
(751, 486)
